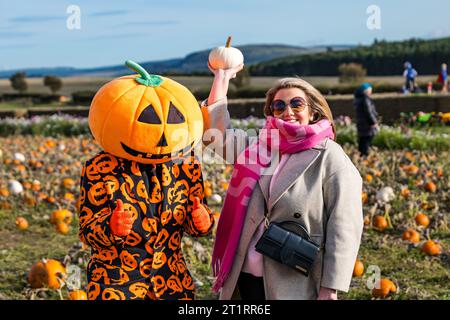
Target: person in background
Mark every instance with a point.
(410, 75)
(366, 118)
(443, 78)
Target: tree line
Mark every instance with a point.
(380, 58)
(19, 82)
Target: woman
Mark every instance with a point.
(366, 117)
(315, 184)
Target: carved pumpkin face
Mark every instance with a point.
(146, 118)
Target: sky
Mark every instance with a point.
(35, 33)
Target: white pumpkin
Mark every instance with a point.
(385, 194)
(19, 156)
(216, 198)
(225, 57)
(15, 187)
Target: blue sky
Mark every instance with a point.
(34, 33)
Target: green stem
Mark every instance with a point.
(136, 67)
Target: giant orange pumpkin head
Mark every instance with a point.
(145, 118)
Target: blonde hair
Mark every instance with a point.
(316, 101)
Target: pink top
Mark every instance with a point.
(253, 263)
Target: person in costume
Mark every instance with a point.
(144, 190)
(314, 183)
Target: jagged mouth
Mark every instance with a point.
(146, 155)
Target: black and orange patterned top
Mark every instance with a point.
(148, 263)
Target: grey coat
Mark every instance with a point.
(318, 187)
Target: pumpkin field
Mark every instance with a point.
(406, 238)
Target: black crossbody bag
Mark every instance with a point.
(288, 243)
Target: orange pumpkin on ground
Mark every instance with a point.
(380, 223)
(430, 186)
(411, 235)
(386, 286)
(422, 220)
(22, 223)
(78, 295)
(358, 269)
(61, 216)
(431, 248)
(47, 273)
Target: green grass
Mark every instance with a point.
(416, 275)
(20, 249)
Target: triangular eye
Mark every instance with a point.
(149, 116)
(175, 116)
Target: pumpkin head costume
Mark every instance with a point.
(147, 126)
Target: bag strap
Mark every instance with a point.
(266, 215)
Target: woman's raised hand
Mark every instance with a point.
(226, 74)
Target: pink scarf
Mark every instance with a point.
(292, 138)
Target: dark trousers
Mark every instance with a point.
(251, 287)
(364, 144)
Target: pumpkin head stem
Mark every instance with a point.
(136, 67)
(145, 78)
(228, 42)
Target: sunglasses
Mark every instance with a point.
(297, 104)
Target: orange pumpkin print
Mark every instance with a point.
(107, 255)
(192, 171)
(141, 190)
(127, 188)
(175, 240)
(175, 171)
(139, 290)
(133, 239)
(111, 184)
(105, 163)
(166, 177)
(156, 194)
(179, 192)
(196, 191)
(97, 194)
(174, 283)
(112, 294)
(172, 263)
(99, 274)
(135, 168)
(159, 259)
(181, 266)
(93, 290)
(166, 216)
(145, 267)
(187, 282)
(179, 214)
(159, 285)
(128, 261)
(161, 239)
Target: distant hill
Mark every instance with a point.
(194, 63)
(380, 58)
